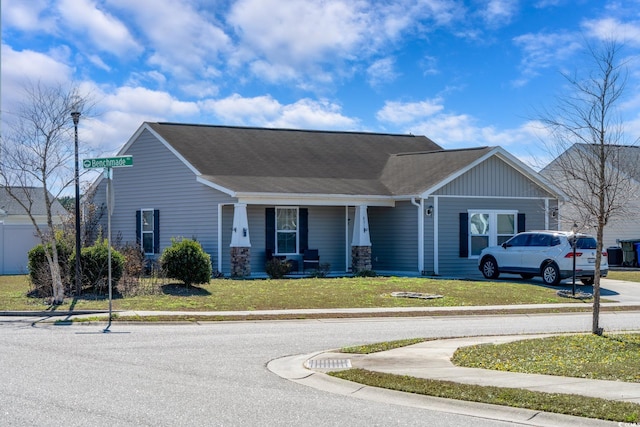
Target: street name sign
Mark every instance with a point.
(108, 162)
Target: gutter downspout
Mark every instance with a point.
(420, 207)
(220, 237)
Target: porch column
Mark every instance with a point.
(240, 244)
(361, 242)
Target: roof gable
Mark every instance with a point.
(245, 161)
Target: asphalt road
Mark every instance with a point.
(215, 373)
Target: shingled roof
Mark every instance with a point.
(287, 161)
(290, 161)
(29, 196)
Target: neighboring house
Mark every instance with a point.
(392, 203)
(625, 163)
(17, 232)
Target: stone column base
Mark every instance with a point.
(360, 258)
(240, 262)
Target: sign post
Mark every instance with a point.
(107, 163)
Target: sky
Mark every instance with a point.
(463, 73)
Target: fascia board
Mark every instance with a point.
(314, 199)
(170, 148)
(215, 186)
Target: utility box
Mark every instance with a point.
(630, 252)
(614, 255)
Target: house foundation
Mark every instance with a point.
(360, 258)
(240, 262)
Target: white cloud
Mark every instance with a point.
(120, 111)
(147, 102)
(310, 114)
(27, 16)
(542, 51)
(103, 30)
(303, 32)
(20, 68)
(406, 112)
(267, 111)
(183, 39)
(611, 28)
(498, 12)
(382, 71)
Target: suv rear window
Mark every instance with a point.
(586, 243)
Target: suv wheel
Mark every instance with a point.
(550, 274)
(490, 268)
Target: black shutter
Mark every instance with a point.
(270, 229)
(464, 235)
(303, 232)
(521, 223)
(156, 231)
(138, 230)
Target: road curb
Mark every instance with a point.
(293, 368)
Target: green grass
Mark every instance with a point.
(609, 357)
(629, 276)
(365, 292)
(549, 402)
(383, 346)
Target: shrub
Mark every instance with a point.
(39, 272)
(276, 268)
(366, 273)
(133, 270)
(95, 265)
(185, 260)
(322, 270)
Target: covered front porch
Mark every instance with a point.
(251, 234)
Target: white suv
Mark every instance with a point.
(548, 254)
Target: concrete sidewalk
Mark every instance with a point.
(431, 360)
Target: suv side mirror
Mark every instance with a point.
(504, 245)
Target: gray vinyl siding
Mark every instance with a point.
(493, 178)
(394, 238)
(449, 259)
(159, 180)
(326, 232)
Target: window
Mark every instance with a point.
(286, 231)
(490, 228)
(147, 230)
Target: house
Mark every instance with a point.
(17, 232)
(623, 170)
(392, 203)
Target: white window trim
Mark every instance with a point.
(493, 226)
(152, 232)
(297, 230)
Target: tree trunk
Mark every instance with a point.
(56, 278)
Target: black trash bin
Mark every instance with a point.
(615, 255)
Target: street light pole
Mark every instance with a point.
(574, 243)
(75, 115)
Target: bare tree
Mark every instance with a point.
(591, 164)
(37, 150)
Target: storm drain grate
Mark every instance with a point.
(328, 364)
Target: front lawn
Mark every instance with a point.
(310, 293)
